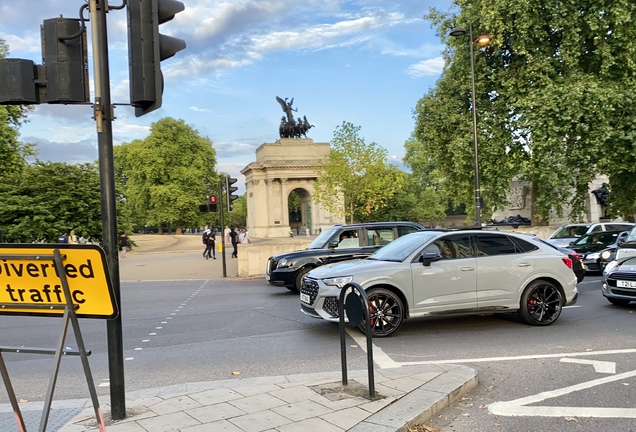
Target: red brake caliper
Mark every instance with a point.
(531, 302)
(371, 319)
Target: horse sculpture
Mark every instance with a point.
(290, 128)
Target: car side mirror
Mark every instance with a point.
(429, 257)
(333, 244)
(571, 243)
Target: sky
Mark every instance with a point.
(366, 62)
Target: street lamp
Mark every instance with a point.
(482, 40)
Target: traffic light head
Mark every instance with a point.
(210, 206)
(147, 48)
(229, 192)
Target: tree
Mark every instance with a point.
(49, 198)
(167, 175)
(356, 171)
(555, 98)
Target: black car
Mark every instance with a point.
(619, 281)
(598, 249)
(577, 263)
(335, 244)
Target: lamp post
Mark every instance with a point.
(482, 40)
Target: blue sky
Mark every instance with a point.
(367, 62)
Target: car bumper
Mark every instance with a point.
(282, 277)
(610, 290)
(319, 301)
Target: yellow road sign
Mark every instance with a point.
(29, 277)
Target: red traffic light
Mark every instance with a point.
(212, 199)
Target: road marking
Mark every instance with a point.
(517, 407)
(380, 357)
(599, 366)
(571, 307)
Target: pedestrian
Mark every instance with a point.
(212, 243)
(319, 230)
(123, 244)
(205, 238)
(226, 234)
(63, 238)
(72, 239)
(234, 234)
(306, 232)
(246, 237)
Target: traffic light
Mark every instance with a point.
(210, 206)
(229, 192)
(17, 82)
(147, 48)
(65, 61)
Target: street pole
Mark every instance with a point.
(103, 112)
(475, 154)
(221, 204)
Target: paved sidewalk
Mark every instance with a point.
(315, 402)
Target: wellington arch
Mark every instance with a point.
(282, 169)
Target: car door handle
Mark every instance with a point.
(468, 268)
(523, 265)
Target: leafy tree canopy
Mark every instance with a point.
(167, 175)
(358, 172)
(556, 95)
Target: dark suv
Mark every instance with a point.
(336, 243)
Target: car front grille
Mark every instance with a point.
(626, 276)
(271, 265)
(310, 287)
(331, 306)
(623, 292)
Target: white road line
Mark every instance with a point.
(379, 357)
(516, 407)
(599, 366)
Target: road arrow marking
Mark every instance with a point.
(599, 366)
(517, 407)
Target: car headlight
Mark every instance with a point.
(338, 281)
(610, 266)
(606, 254)
(593, 256)
(285, 263)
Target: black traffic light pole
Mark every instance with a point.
(222, 215)
(103, 118)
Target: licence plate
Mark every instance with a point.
(305, 298)
(625, 284)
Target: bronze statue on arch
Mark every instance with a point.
(290, 128)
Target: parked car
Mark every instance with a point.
(598, 249)
(618, 283)
(449, 273)
(336, 243)
(577, 263)
(566, 234)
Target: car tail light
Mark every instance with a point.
(567, 262)
(575, 255)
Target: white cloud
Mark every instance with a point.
(428, 67)
(197, 109)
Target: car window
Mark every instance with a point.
(632, 235)
(402, 247)
(320, 242)
(601, 238)
(494, 244)
(348, 239)
(404, 230)
(618, 227)
(597, 228)
(380, 236)
(525, 246)
(453, 246)
(570, 231)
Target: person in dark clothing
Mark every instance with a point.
(211, 243)
(63, 238)
(208, 241)
(123, 244)
(235, 240)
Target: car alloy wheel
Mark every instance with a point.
(386, 312)
(541, 303)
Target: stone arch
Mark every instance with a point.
(283, 167)
(300, 217)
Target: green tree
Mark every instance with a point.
(555, 98)
(356, 171)
(49, 198)
(167, 175)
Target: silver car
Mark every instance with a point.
(449, 273)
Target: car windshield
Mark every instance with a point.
(570, 231)
(600, 238)
(398, 250)
(320, 242)
(632, 236)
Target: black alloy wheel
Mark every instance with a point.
(386, 312)
(541, 303)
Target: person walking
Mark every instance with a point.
(123, 244)
(245, 239)
(234, 239)
(63, 238)
(226, 235)
(212, 243)
(72, 238)
(205, 238)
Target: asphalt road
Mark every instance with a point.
(198, 330)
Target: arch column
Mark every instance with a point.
(284, 197)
